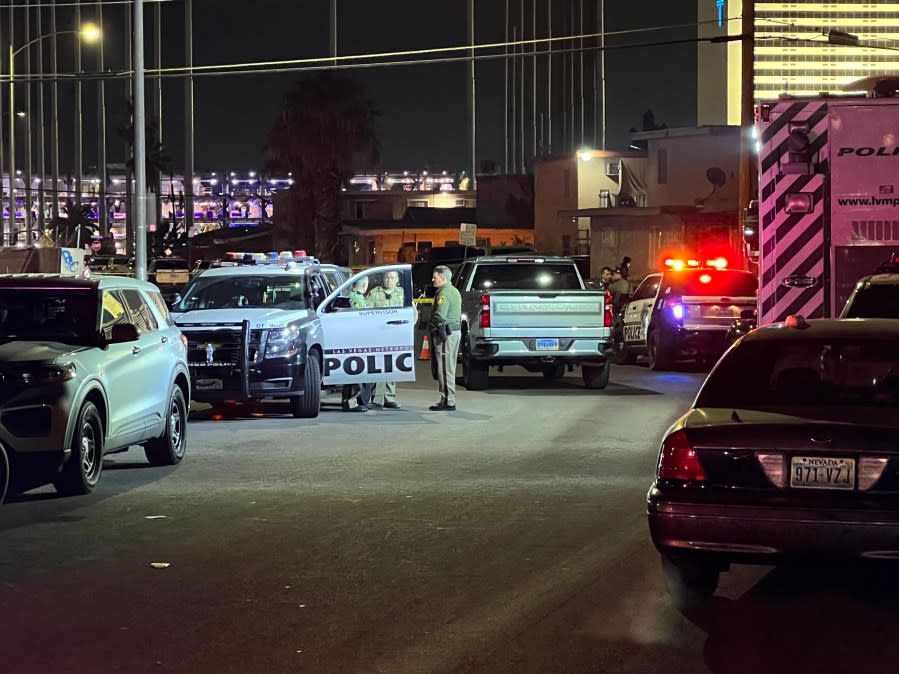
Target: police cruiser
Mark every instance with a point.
(683, 312)
(274, 328)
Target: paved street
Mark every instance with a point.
(507, 537)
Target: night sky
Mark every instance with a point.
(422, 107)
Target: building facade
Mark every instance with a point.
(792, 52)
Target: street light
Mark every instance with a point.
(90, 33)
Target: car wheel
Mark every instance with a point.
(4, 473)
(307, 405)
(691, 582)
(659, 358)
(620, 353)
(475, 374)
(168, 449)
(554, 372)
(81, 472)
(596, 376)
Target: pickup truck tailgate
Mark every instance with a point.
(552, 314)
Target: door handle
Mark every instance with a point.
(165, 340)
(397, 322)
(135, 350)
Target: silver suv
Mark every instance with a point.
(88, 367)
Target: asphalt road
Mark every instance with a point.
(509, 536)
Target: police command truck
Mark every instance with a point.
(275, 328)
(683, 312)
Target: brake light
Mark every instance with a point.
(608, 312)
(678, 460)
(717, 263)
(484, 319)
(677, 309)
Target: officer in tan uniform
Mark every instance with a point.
(444, 327)
(390, 294)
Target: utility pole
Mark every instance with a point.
(79, 118)
(506, 90)
(549, 78)
(101, 145)
(41, 139)
(29, 139)
(522, 22)
(140, 147)
(188, 185)
(534, 75)
(602, 66)
(333, 36)
(8, 238)
(54, 115)
(4, 223)
(747, 165)
(472, 102)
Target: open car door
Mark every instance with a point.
(368, 327)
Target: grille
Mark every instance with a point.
(225, 347)
(875, 230)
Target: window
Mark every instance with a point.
(113, 311)
(68, 316)
(280, 291)
(662, 166)
(156, 299)
(648, 288)
(526, 276)
(605, 199)
(613, 168)
(360, 209)
(875, 301)
(139, 311)
(377, 291)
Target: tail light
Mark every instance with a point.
(678, 460)
(485, 311)
(677, 309)
(608, 311)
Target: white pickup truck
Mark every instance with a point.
(532, 311)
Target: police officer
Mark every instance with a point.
(355, 397)
(390, 294)
(444, 327)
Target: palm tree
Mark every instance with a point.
(326, 129)
(158, 159)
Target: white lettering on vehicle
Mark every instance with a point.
(369, 364)
(633, 332)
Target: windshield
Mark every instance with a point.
(874, 301)
(251, 292)
(713, 282)
(827, 373)
(67, 315)
(526, 276)
(170, 264)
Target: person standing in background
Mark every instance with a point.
(387, 295)
(444, 328)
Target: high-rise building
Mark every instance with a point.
(787, 58)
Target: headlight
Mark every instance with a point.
(282, 342)
(45, 374)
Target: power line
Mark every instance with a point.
(83, 5)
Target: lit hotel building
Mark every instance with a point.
(786, 60)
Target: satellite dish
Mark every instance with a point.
(716, 176)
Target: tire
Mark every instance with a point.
(169, 448)
(554, 372)
(621, 355)
(691, 582)
(4, 473)
(81, 473)
(307, 406)
(596, 376)
(659, 358)
(475, 374)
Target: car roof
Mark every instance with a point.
(239, 269)
(881, 279)
(524, 257)
(828, 328)
(102, 282)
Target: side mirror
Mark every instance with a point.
(173, 301)
(340, 303)
(123, 332)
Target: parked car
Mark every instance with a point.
(788, 451)
(875, 295)
(89, 367)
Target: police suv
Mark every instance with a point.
(275, 329)
(876, 295)
(683, 312)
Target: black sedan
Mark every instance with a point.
(789, 450)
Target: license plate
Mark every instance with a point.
(822, 472)
(208, 384)
(547, 345)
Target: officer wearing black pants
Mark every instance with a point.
(444, 328)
